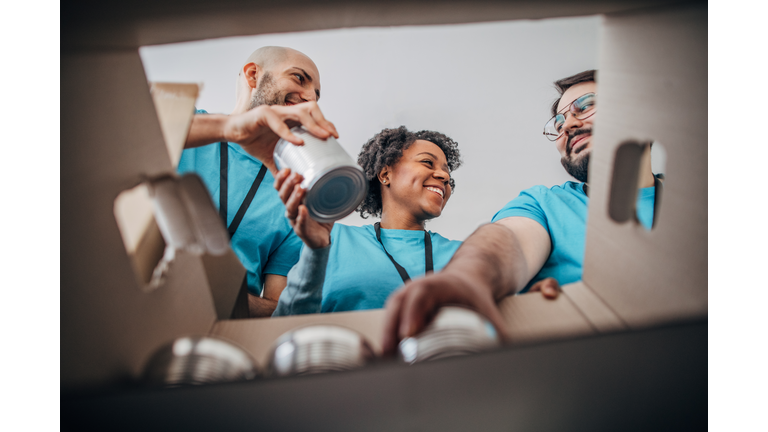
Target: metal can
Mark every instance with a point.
(335, 184)
(196, 360)
(317, 349)
(454, 331)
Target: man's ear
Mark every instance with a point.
(384, 176)
(252, 73)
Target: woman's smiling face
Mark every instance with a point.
(419, 183)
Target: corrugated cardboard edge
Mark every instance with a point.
(175, 104)
(594, 309)
(531, 318)
(258, 335)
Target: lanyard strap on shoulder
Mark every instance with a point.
(428, 265)
(223, 190)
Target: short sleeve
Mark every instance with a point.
(527, 204)
(282, 259)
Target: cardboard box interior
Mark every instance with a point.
(652, 85)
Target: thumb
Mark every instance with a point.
(548, 287)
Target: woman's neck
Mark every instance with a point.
(398, 220)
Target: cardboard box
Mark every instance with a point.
(652, 85)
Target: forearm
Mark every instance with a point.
(492, 258)
(303, 293)
(206, 129)
(260, 307)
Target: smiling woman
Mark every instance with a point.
(345, 268)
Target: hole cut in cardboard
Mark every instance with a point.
(636, 187)
(142, 239)
(163, 216)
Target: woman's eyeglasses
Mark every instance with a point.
(581, 108)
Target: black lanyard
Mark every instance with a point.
(657, 190)
(223, 183)
(427, 253)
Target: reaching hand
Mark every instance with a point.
(258, 130)
(314, 234)
(413, 306)
(410, 309)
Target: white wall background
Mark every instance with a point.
(488, 86)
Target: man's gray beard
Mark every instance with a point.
(578, 169)
(266, 93)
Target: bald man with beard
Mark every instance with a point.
(277, 88)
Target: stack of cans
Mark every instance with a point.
(317, 349)
(199, 360)
(454, 331)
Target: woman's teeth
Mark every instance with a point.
(435, 190)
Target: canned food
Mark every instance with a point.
(454, 331)
(335, 184)
(196, 360)
(317, 349)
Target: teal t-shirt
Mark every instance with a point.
(264, 241)
(359, 275)
(562, 211)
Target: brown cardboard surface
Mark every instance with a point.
(121, 24)
(175, 104)
(602, 318)
(112, 141)
(225, 275)
(531, 317)
(653, 86)
(257, 335)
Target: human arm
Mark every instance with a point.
(303, 294)
(496, 260)
(265, 305)
(304, 290)
(258, 130)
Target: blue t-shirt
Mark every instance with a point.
(264, 241)
(354, 272)
(359, 275)
(562, 211)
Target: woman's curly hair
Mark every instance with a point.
(386, 149)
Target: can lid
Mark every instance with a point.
(336, 193)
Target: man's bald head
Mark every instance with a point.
(269, 57)
(277, 76)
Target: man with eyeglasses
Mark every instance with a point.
(535, 243)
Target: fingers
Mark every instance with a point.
(549, 288)
(417, 308)
(294, 201)
(320, 120)
(281, 176)
(312, 233)
(410, 310)
(308, 114)
(277, 124)
(285, 189)
(290, 191)
(392, 322)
